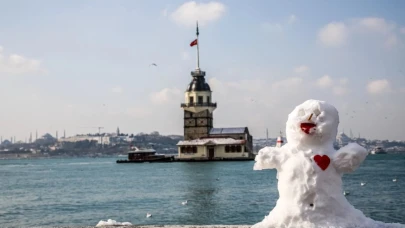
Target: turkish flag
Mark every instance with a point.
(193, 43)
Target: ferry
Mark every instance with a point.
(137, 155)
(378, 150)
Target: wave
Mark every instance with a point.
(111, 222)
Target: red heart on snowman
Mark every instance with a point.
(322, 161)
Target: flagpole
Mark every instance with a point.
(198, 49)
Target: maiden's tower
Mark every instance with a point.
(201, 140)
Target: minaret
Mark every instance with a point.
(56, 135)
(64, 134)
(30, 137)
(267, 136)
(36, 135)
(280, 140)
(118, 131)
(198, 106)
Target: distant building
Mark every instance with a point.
(201, 139)
(106, 140)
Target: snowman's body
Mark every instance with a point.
(309, 173)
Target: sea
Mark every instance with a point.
(83, 191)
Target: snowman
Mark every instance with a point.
(309, 173)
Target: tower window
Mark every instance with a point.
(200, 99)
(191, 99)
(208, 99)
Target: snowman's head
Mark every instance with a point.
(312, 123)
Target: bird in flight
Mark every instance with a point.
(153, 64)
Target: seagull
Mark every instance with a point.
(184, 202)
(346, 193)
(153, 64)
(148, 215)
(394, 180)
(363, 183)
(217, 179)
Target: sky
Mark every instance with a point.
(78, 65)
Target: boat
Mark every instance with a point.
(137, 155)
(378, 150)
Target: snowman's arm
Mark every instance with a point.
(348, 158)
(268, 158)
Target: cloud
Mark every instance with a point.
(291, 19)
(18, 64)
(339, 87)
(301, 69)
(375, 24)
(336, 34)
(324, 82)
(117, 89)
(343, 81)
(391, 41)
(288, 83)
(277, 26)
(188, 13)
(166, 95)
(333, 34)
(379, 86)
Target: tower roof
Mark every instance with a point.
(198, 83)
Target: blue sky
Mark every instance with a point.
(75, 65)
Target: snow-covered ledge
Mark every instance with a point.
(178, 226)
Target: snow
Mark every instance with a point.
(213, 141)
(309, 173)
(111, 222)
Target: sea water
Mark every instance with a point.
(83, 191)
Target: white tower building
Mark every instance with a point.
(280, 140)
(198, 106)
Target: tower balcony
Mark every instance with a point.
(206, 104)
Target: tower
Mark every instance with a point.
(198, 106)
(280, 140)
(64, 134)
(118, 131)
(36, 135)
(30, 140)
(56, 136)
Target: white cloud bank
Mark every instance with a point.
(188, 13)
(166, 95)
(379, 86)
(333, 34)
(18, 64)
(337, 34)
(339, 87)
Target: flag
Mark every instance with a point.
(193, 43)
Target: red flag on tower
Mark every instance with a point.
(193, 43)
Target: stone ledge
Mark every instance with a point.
(159, 226)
